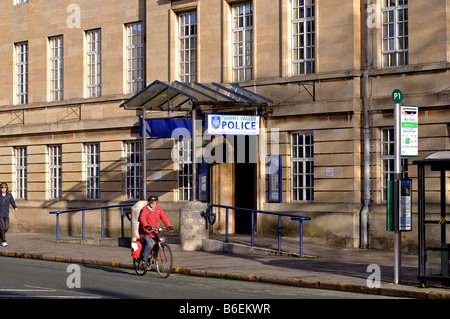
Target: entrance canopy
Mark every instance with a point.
(169, 104)
(178, 96)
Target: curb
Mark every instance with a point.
(345, 287)
(388, 292)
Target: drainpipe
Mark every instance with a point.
(366, 131)
(365, 209)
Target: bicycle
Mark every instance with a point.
(160, 256)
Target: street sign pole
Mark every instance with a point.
(397, 97)
(397, 173)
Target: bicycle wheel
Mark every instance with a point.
(139, 267)
(164, 261)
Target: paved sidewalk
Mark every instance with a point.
(322, 267)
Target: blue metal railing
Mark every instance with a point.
(83, 210)
(208, 214)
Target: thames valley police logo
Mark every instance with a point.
(215, 122)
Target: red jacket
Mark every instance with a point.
(151, 218)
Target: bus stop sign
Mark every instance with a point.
(397, 96)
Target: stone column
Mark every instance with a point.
(192, 226)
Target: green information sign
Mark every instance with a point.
(397, 96)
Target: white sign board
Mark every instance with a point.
(157, 175)
(329, 171)
(232, 124)
(409, 130)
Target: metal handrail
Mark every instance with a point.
(82, 210)
(300, 218)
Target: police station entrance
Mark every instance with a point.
(231, 112)
(245, 181)
(234, 179)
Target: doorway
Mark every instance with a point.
(245, 166)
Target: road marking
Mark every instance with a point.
(29, 290)
(49, 297)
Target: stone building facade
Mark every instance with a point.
(328, 66)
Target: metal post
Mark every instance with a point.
(397, 172)
(103, 224)
(279, 232)
(226, 225)
(443, 212)
(421, 207)
(253, 225)
(301, 238)
(82, 223)
(121, 221)
(194, 149)
(144, 153)
(57, 228)
(444, 245)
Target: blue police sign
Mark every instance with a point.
(232, 124)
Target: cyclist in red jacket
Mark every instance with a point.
(148, 219)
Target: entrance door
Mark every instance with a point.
(245, 166)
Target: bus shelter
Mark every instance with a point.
(434, 230)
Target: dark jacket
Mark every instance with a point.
(5, 201)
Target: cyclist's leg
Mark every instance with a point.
(154, 241)
(148, 244)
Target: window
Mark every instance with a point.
(395, 33)
(20, 161)
(133, 170)
(387, 160)
(302, 166)
(243, 41)
(184, 170)
(21, 73)
(135, 57)
(93, 171)
(55, 171)
(16, 2)
(188, 47)
(303, 37)
(94, 63)
(56, 68)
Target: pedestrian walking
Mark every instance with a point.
(6, 199)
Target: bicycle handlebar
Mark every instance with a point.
(158, 229)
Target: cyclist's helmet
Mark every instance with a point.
(152, 198)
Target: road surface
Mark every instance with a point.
(29, 278)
